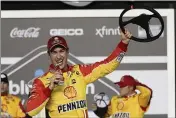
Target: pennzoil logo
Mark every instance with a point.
(72, 106)
(70, 92)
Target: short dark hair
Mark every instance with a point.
(4, 78)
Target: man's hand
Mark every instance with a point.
(56, 79)
(125, 37)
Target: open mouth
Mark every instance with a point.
(59, 62)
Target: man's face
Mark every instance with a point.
(127, 90)
(59, 57)
(124, 91)
(4, 87)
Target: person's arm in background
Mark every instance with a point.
(97, 70)
(144, 96)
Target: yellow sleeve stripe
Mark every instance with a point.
(102, 70)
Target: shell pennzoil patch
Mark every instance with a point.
(70, 92)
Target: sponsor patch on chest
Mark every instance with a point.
(72, 106)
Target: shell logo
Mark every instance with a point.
(120, 105)
(70, 92)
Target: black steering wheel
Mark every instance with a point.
(142, 21)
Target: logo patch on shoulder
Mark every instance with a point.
(73, 81)
(120, 56)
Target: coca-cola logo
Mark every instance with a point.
(31, 32)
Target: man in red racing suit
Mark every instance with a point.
(69, 99)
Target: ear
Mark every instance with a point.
(131, 88)
(48, 52)
(68, 51)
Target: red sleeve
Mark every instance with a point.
(108, 65)
(38, 97)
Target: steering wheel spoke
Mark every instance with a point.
(148, 32)
(140, 20)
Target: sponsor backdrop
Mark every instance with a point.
(90, 39)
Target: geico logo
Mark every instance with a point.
(107, 31)
(66, 32)
(30, 32)
(21, 88)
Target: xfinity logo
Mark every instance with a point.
(104, 31)
(67, 32)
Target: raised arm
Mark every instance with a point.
(144, 96)
(97, 70)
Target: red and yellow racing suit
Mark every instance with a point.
(69, 100)
(11, 106)
(133, 106)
